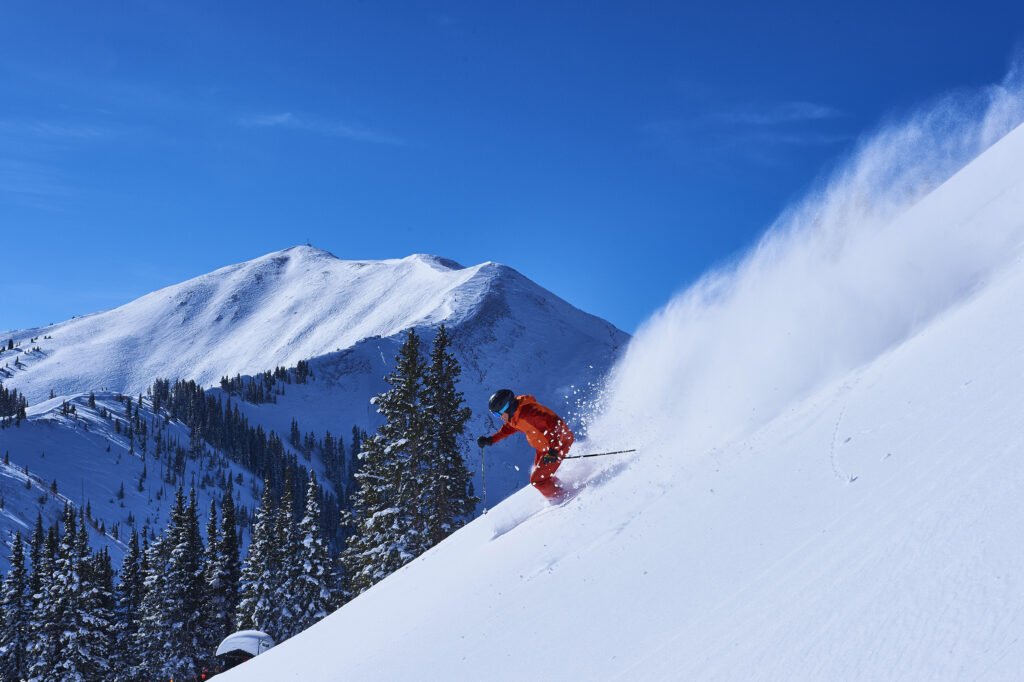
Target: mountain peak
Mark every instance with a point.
(436, 262)
(297, 303)
(301, 251)
(307, 252)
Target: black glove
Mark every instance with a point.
(484, 441)
(551, 457)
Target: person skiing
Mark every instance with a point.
(544, 430)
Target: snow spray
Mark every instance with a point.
(856, 267)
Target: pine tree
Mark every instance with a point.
(391, 478)
(448, 492)
(35, 553)
(212, 605)
(186, 567)
(16, 604)
(285, 607)
(316, 580)
(261, 570)
(97, 605)
(353, 461)
(331, 455)
(222, 573)
(169, 637)
(38, 548)
(128, 597)
(229, 556)
(44, 629)
(152, 623)
(75, 647)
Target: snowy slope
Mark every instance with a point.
(91, 461)
(847, 511)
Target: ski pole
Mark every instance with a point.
(600, 454)
(483, 477)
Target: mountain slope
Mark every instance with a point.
(95, 465)
(869, 530)
(281, 308)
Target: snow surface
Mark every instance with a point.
(835, 496)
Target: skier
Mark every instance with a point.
(544, 430)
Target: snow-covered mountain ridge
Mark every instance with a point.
(866, 529)
(275, 310)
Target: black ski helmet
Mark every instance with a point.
(501, 401)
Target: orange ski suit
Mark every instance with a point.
(545, 431)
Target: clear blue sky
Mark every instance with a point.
(612, 152)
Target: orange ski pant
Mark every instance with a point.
(542, 477)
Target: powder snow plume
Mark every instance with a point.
(856, 267)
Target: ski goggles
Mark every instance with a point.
(500, 412)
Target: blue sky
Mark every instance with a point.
(612, 152)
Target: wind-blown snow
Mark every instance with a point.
(853, 269)
(830, 470)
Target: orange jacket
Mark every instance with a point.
(543, 428)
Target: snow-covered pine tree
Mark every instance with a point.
(212, 604)
(221, 575)
(152, 623)
(169, 639)
(74, 646)
(316, 580)
(97, 605)
(352, 464)
(15, 631)
(128, 599)
(44, 629)
(35, 554)
(230, 562)
(356, 446)
(261, 570)
(285, 606)
(448, 493)
(391, 478)
(186, 571)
